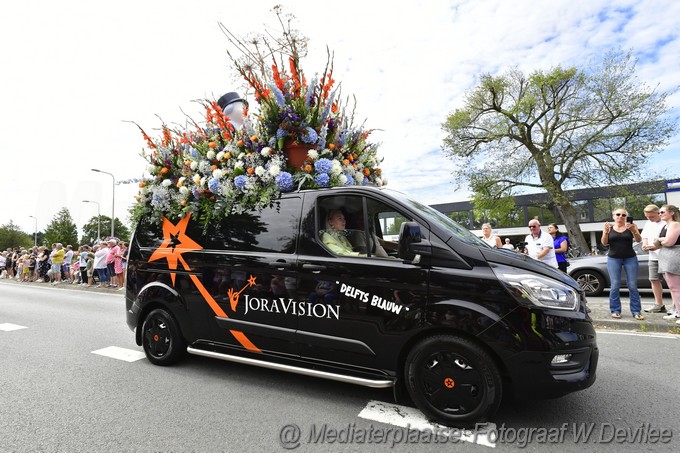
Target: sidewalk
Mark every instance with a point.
(652, 323)
(62, 286)
(599, 306)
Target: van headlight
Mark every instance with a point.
(535, 289)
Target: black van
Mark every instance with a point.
(435, 313)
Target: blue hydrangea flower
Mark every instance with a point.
(309, 135)
(214, 185)
(240, 181)
(323, 165)
(195, 192)
(285, 181)
(322, 180)
(350, 179)
(280, 133)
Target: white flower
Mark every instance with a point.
(184, 190)
(197, 179)
(167, 182)
(266, 151)
(238, 165)
(342, 179)
(359, 177)
(151, 169)
(220, 155)
(383, 181)
(259, 170)
(337, 168)
(313, 154)
(193, 165)
(241, 156)
(202, 182)
(274, 170)
(217, 174)
(210, 154)
(180, 181)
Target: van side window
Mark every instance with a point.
(269, 230)
(351, 225)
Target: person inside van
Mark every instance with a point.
(377, 245)
(335, 235)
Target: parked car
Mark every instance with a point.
(591, 272)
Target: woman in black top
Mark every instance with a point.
(620, 236)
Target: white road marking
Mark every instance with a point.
(411, 418)
(7, 327)
(640, 334)
(128, 355)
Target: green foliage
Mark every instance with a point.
(556, 129)
(492, 210)
(12, 236)
(62, 229)
(396, 226)
(90, 229)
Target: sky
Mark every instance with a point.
(74, 73)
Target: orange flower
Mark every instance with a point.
(254, 138)
(183, 202)
(367, 171)
(211, 145)
(345, 162)
(308, 168)
(142, 184)
(214, 167)
(227, 156)
(251, 170)
(164, 170)
(331, 146)
(239, 143)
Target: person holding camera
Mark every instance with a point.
(619, 236)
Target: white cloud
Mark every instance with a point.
(73, 71)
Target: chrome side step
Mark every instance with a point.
(374, 383)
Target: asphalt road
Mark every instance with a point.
(57, 395)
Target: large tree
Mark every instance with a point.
(557, 129)
(12, 236)
(93, 227)
(62, 229)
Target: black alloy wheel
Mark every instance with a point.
(453, 381)
(162, 339)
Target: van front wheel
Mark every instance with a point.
(161, 338)
(453, 381)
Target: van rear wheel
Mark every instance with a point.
(162, 339)
(453, 381)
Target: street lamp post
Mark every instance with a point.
(113, 197)
(35, 231)
(99, 220)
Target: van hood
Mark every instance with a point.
(521, 261)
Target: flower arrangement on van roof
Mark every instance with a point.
(215, 169)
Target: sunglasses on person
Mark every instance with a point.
(618, 214)
(662, 212)
(533, 226)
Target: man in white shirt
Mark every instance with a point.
(651, 232)
(540, 245)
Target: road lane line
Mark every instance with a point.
(411, 418)
(8, 327)
(640, 334)
(114, 352)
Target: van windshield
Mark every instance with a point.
(434, 216)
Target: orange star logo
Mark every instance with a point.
(175, 243)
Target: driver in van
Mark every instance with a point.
(335, 235)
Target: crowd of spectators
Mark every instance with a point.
(101, 265)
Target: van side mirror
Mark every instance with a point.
(409, 234)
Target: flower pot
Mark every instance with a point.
(296, 153)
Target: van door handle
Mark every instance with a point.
(313, 267)
(279, 264)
